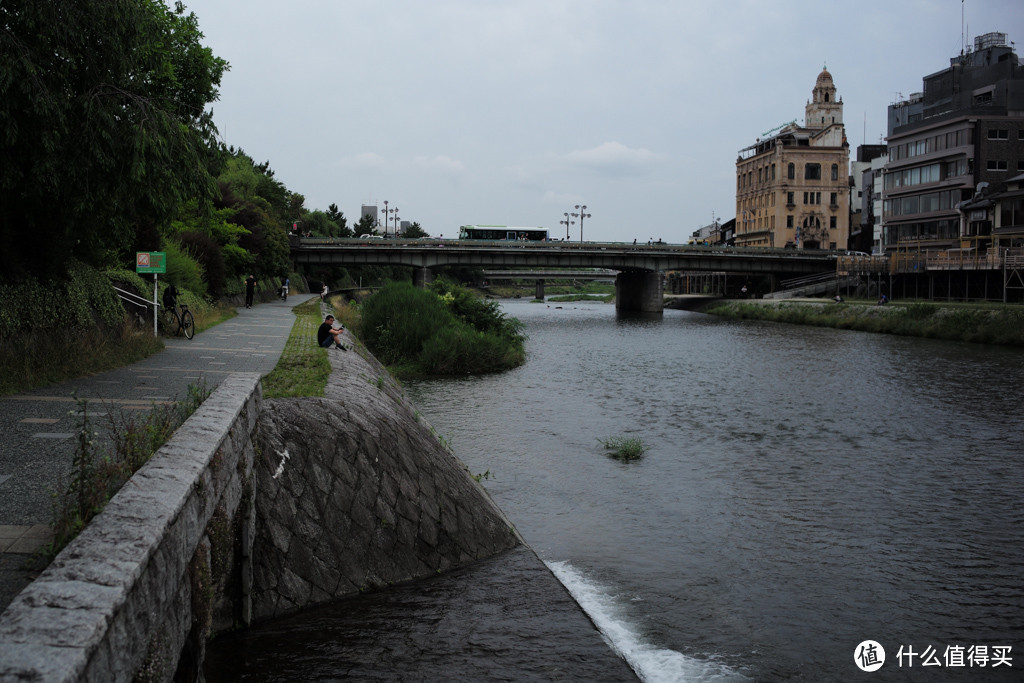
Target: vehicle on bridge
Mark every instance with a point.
(502, 232)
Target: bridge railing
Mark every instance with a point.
(643, 247)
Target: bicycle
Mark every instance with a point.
(184, 321)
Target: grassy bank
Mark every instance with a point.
(977, 323)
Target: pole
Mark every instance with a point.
(155, 305)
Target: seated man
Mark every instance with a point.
(328, 334)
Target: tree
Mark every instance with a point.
(103, 126)
(416, 230)
(339, 219)
(366, 226)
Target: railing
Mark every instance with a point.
(137, 300)
(798, 282)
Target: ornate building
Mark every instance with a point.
(793, 188)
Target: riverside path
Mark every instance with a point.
(38, 428)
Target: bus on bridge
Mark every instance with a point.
(502, 233)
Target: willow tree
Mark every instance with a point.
(104, 126)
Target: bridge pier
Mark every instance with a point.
(539, 293)
(639, 291)
(421, 277)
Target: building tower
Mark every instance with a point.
(793, 188)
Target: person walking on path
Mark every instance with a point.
(250, 290)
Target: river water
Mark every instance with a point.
(804, 490)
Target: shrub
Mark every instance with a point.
(420, 332)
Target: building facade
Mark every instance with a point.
(962, 137)
(793, 188)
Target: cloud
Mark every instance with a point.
(614, 159)
(367, 161)
(440, 164)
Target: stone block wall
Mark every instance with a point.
(357, 492)
(139, 591)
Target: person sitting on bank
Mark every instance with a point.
(328, 334)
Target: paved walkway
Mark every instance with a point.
(38, 428)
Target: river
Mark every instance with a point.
(804, 490)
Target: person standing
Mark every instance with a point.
(250, 290)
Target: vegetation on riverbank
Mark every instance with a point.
(979, 323)
(441, 331)
(45, 327)
(303, 368)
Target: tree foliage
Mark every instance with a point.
(103, 125)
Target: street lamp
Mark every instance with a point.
(385, 218)
(566, 223)
(582, 214)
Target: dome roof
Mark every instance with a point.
(824, 76)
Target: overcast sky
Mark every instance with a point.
(511, 112)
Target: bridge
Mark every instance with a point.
(638, 285)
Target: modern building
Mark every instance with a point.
(950, 145)
(793, 186)
(865, 197)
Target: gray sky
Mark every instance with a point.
(512, 112)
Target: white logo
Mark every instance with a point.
(869, 655)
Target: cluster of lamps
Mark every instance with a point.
(581, 213)
(390, 215)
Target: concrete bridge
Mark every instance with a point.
(638, 285)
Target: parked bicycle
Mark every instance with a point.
(179, 322)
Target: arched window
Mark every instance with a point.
(791, 171)
(835, 171)
(826, 97)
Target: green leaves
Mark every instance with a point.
(102, 125)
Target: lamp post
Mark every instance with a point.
(566, 223)
(396, 222)
(385, 218)
(582, 214)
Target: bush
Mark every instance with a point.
(183, 270)
(417, 330)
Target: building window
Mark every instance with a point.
(835, 172)
(791, 172)
(789, 199)
(789, 221)
(812, 198)
(998, 134)
(773, 171)
(832, 199)
(832, 222)
(812, 171)
(997, 164)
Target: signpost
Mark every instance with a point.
(152, 262)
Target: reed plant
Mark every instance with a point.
(624, 448)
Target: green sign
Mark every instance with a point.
(150, 262)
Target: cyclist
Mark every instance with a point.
(170, 297)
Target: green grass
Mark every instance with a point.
(624, 448)
(304, 367)
(999, 324)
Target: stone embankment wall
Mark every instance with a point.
(253, 509)
(356, 492)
